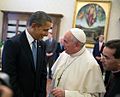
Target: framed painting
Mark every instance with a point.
(93, 17)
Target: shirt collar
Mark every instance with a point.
(29, 37)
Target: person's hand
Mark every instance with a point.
(57, 92)
(5, 91)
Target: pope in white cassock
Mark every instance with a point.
(76, 73)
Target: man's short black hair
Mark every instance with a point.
(39, 18)
(114, 44)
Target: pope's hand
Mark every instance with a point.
(57, 92)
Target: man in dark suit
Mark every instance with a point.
(97, 50)
(28, 76)
(60, 48)
(111, 61)
(51, 46)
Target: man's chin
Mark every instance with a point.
(41, 37)
(66, 51)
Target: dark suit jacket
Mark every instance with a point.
(17, 61)
(113, 88)
(51, 48)
(59, 49)
(97, 52)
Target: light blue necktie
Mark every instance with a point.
(34, 51)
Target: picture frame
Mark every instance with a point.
(92, 16)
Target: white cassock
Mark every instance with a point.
(79, 75)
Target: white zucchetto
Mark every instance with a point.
(79, 34)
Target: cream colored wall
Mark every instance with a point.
(65, 7)
(114, 26)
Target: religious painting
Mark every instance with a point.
(93, 17)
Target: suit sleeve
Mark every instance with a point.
(95, 51)
(9, 62)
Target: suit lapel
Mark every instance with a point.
(26, 47)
